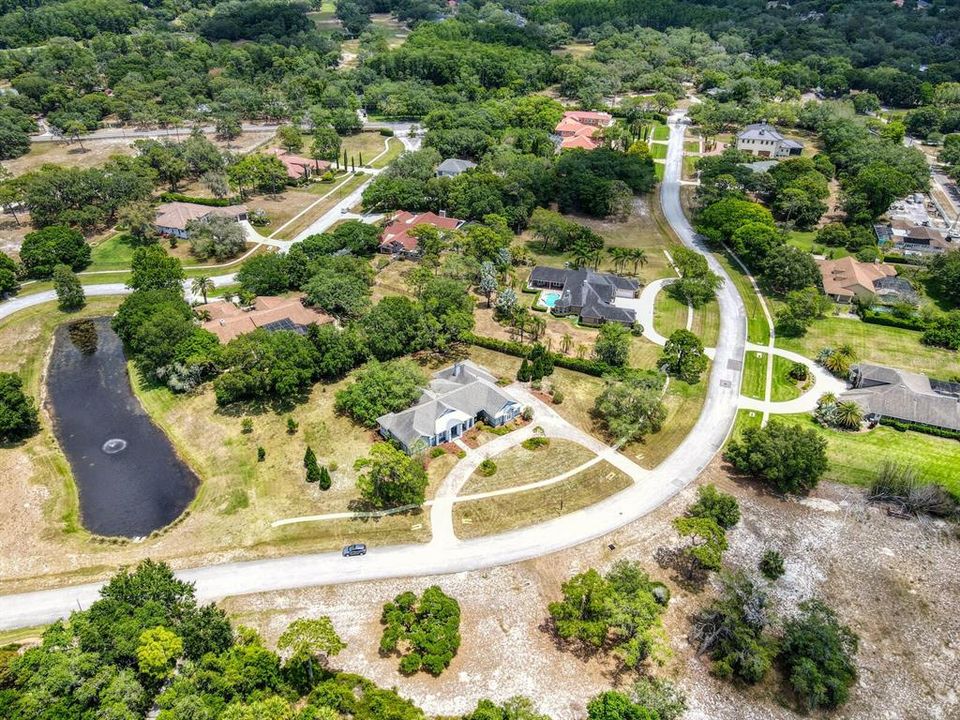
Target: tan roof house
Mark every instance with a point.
(228, 321)
(172, 218)
(396, 238)
(848, 278)
(298, 168)
(577, 129)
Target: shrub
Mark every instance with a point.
(900, 484)
(209, 202)
(771, 565)
(799, 372)
(487, 468)
(324, 482)
(557, 397)
(292, 426)
(386, 132)
(18, 414)
(535, 443)
(261, 453)
(424, 631)
(437, 452)
(791, 459)
(246, 425)
(311, 466)
(527, 413)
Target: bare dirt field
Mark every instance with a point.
(893, 581)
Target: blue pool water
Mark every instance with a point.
(549, 298)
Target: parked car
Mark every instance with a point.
(355, 550)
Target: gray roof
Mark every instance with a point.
(902, 395)
(591, 291)
(760, 131)
(761, 166)
(464, 387)
(455, 166)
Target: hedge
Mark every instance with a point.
(904, 425)
(880, 318)
(386, 132)
(904, 260)
(211, 202)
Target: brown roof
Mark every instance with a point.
(295, 164)
(228, 321)
(178, 214)
(841, 277)
(396, 233)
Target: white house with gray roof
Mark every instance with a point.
(455, 400)
(765, 141)
(451, 167)
(883, 392)
(589, 295)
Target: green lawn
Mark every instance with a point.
(876, 344)
(669, 314)
(659, 169)
(395, 147)
(691, 146)
(112, 253)
(784, 387)
(661, 132)
(684, 403)
(758, 331)
(754, 375)
(658, 151)
(855, 457)
(706, 323)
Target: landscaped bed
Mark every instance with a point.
(519, 466)
(488, 516)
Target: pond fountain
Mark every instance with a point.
(129, 478)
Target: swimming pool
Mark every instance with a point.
(548, 298)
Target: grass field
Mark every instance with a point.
(855, 457)
(691, 146)
(658, 151)
(754, 375)
(476, 518)
(876, 344)
(684, 403)
(659, 169)
(394, 149)
(365, 144)
(758, 331)
(784, 386)
(112, 253)
(661, 132)
(519, 466)
(669, 314)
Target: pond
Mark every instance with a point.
(129, 478)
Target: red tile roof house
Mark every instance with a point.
(396, 238)
(578, 128)
(228, 321)
(298, 168)
(172, 218)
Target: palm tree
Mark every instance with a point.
(582, 254)
(848, 415)
(202, 284)
(566, 342)
(581, 351)
(638, 256)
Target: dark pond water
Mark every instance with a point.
(129, 477)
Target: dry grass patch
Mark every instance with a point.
(519, 466)
(684, 403)
(489, 516)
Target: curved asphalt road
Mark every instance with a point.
(657, 486)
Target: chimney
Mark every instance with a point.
(457, 369)
(443, 213)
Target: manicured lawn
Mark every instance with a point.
(784, 386)
(475, 518)
(661, 132)
(876, 344)
(691, 146)
(112, 253)
(754, 375)
(758, 330)
(745, 419)
(856, 457)
(706, 323)
(658, 150)
(519, 466)
(659, 169)
(669, 314)
(689, 168)
(684, 403)
(394, 149)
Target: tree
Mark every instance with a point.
(11, 195)
(396, 326)
(719, 221)
(228, 127)
(720, 507)
(706, 543)
(697, 284)
(217, 183)
(326, 144)
(324, 482)
(344, 296)
(8, 275)
(70, 295)
(631, 408)
(684, 357)
(218, 237)
(753, 241)
(381, 388)
(802, 308)
(311, 466)
(613, 344)
(202, 284)
(290, 138)
(138, 219)
(306, 641)
(943, 331)
(424, 631)
(818, 653)
(619, 612)
(42, 250)
(944, 275)
(152, 269)
(787, 268)
(515, 708)
(789, 458)
(265, 367)
(18, 413)
(392, 478)
(838, 360)
(487, 284)
(157, 653)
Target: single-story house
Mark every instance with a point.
(883, 392)
(396, 238)
(298, 168)
(172, 218)
(577, 129)
(848, 278)
(764, 140)
(451, 167)
(228, 321)
(589, 295)
(454, 401)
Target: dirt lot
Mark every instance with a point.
(893, 581)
